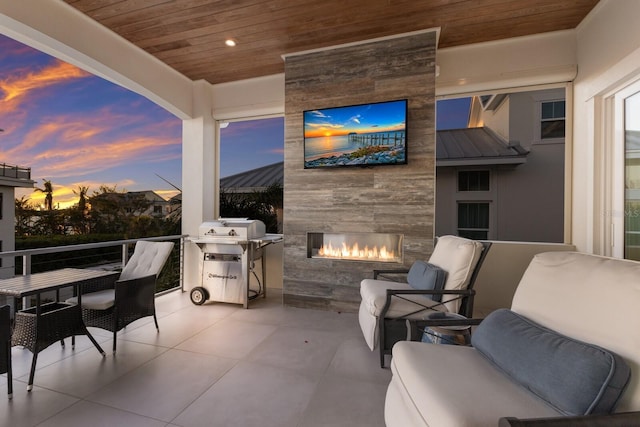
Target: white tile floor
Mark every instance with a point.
(212, 365)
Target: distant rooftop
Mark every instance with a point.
(255, 179)
(15, 176)
(476, 146)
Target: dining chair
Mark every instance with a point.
(132, 296)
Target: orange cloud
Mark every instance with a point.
(20, 85)
(70, 159)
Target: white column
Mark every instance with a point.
(199, 167)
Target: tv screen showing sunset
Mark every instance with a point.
(356, 135)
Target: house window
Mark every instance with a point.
(552, 122)
(157, 209)
(473, 220)
(473, 181)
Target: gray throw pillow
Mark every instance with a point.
(423, 275)
(574, 377)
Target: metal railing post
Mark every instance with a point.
(26, 264)
(125, 254)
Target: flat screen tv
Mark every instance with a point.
(356, 135)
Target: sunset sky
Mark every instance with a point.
(76, 129)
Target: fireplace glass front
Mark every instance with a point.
(380, 247)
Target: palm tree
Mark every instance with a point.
(48, 191)
(79, 216)
(82, 197)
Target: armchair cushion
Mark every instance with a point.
(423, 275)
(374, 297)
(148, 258)
(100, 300)
(574, 377)
(458, 257)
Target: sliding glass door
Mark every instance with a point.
(632, 176)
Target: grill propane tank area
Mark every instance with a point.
(230, 248)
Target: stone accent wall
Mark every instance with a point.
(384, 199)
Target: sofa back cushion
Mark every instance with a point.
(590, 298)
(426, 276)
(574, 377)
(458, 257)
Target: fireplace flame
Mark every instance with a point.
(354, 252)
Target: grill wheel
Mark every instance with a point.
(199, 295)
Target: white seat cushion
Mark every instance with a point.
(457, 387)
(374, 297)
(101, 300)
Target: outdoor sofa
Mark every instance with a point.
(569, 347)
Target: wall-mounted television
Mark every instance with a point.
(356, 135)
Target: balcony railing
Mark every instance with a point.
(171, 277)
(17, 172)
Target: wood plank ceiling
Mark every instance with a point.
(189, 35)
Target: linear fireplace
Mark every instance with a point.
(380, 247)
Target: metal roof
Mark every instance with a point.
(459, 147)
(476, 146)
(255, 179)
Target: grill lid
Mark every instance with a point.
(232, 228)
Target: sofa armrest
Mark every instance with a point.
(620, 419)
(418, 327)
(402, 293)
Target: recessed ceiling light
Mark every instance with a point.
(230, 42)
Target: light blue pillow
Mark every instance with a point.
(423, 275)
(574, 377)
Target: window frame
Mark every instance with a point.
(471, 171)
(539, 120)
(487, 230)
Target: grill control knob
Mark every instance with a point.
(233, 233)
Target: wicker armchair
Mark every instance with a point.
(5, 350)
(132, 296)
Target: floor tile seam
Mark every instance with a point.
(304, 412)
(205, 391)
(339, 339)
(93, 402)
(356, 379)
(78, 400)
(40, 366)
(317, 375)
(233, 359)
(215, 320)
(247, 357)
(128, 371)
(18, 383)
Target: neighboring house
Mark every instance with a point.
(257, 180)
(503, 177)
(158, 206)
(10, 178)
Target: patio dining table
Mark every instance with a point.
(37, 327)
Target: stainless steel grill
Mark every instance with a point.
(230, 248)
